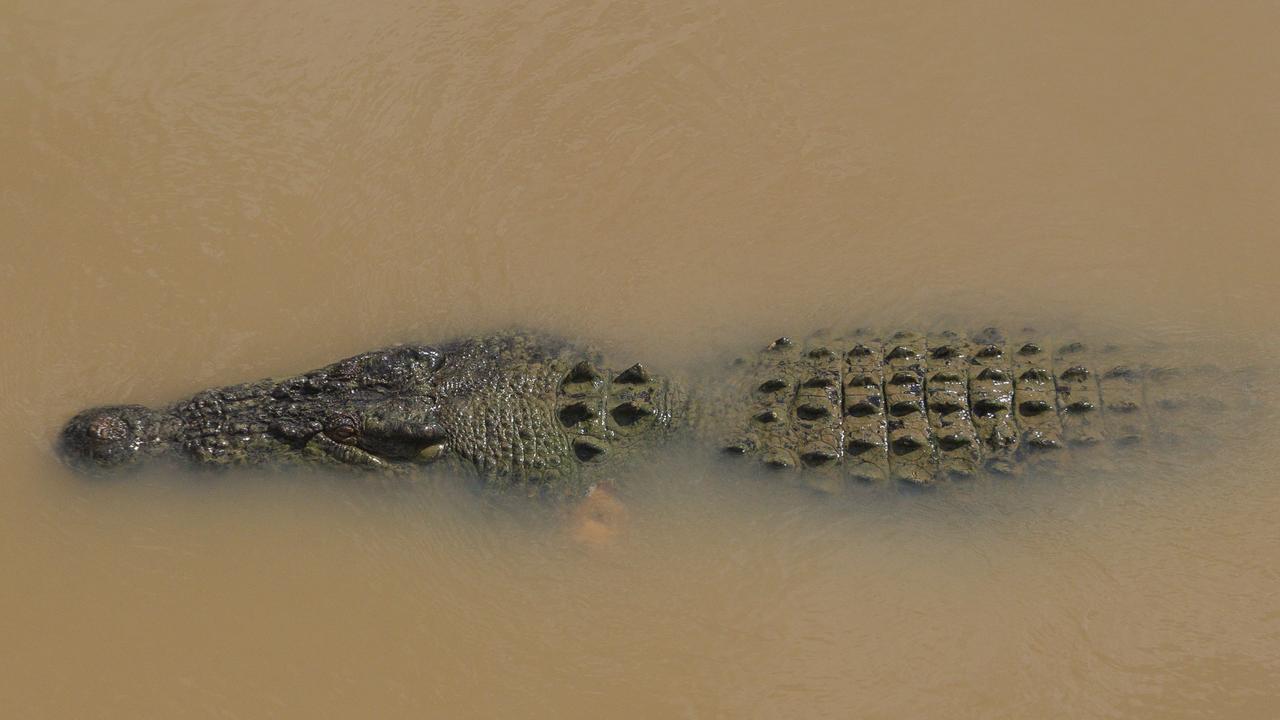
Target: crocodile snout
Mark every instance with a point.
(112, 437)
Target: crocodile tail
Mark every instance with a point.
(922, 408)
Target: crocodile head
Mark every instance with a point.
(508, 407)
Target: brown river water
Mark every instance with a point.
(202, 193)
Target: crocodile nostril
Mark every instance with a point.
(111, 436)
(107, 428)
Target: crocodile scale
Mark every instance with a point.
(920, 407)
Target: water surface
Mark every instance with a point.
(203, 193)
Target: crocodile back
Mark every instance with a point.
(926, 407)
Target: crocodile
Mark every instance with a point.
(544, 415)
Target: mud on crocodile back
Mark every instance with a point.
(920, 408)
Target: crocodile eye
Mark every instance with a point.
(342, 429)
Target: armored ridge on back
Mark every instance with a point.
(921, 408)
(538, 413)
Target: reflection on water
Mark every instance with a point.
(200, 194)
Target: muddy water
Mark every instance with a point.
(202, 193)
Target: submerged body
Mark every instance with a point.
(540, 414)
